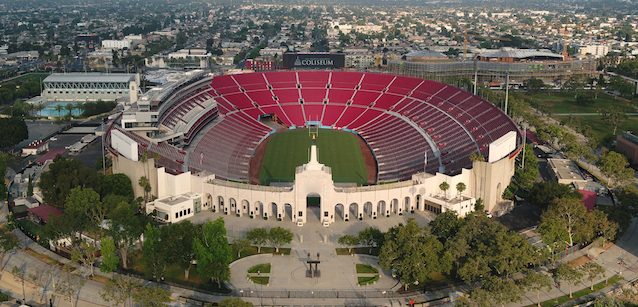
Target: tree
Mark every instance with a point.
(8, 242)
(615, 167)
(84, 252)
(555, 237)
(118, 184)
(59, 108)
(371, 237)
(445, 225)
(109, 259)
(537, 281)
(257, 236)
(570, 213)
(543, 193)
(152, 297)
(348, 241)
(593, 271)
(146, 185)
(569, 275)
(12, 131)
(239, 245)
(528, 174)
(503, 290)
(64, 175)
(155, 253)
(533, 85)
(279, 236)
(180, 238)
(612, 116)
(213, 252)
(118, 289)
(444, 186)
(125, 228)
(413, 253)
(460, 187)
(39, 280)
(68, 285)
(29, 186)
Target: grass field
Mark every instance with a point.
(562, 102)
(600, 129)
(28, 77)
(337, 149)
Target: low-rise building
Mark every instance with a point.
(627, 144)
(564, 171)
(173, 209)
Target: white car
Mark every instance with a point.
(53, 139)
(489, 215)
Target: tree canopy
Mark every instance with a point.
(13, 130)
(64, 175)
(213, 253)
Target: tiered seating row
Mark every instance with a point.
(226, 148)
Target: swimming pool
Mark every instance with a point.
(50, 110)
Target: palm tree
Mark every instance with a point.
(79, 106)
(444, 186)
(146, 184)
(156, 157)
(69, 107)
(59, 108)
(39, 107)
(460, 187)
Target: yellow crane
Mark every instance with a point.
(465, 35)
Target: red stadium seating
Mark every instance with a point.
(395, 115)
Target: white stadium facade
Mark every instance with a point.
(205, 129)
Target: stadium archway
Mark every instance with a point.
(209, 201)
(244, 207)
(220, 205)
(354, 211)
(368, 209)
(340, 210)
(313, 200)
(407, 205)
(274, 212)
(382, 208)
(394, 206)
(233, 206)
(288, 211)
(255, 209)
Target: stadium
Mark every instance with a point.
(357, 145)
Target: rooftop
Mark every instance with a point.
(50, 155)
(520, 54)
(426, 54)
(45, 212)
(92, 77)
(566, 169)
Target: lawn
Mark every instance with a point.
(580, 293)
(29, 77)
(364, 268)
(337, 149)
(563, 102)
(262, 280)
(367, 280)
(29, 226)
(252, 250)
(601, 129)
(359, 250)
(175, 273)
(262, 268)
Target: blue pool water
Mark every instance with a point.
(51, 111)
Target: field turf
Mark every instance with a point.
(337, 149)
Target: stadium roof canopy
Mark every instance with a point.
(426, 54)
(521, 54)
(81, 77)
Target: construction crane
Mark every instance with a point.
(465, 35)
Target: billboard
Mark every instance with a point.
(314, 60)
(502, 147)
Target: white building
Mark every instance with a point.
(173, 209)
(115, 44)
(595, 50)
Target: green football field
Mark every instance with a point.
(337, 149)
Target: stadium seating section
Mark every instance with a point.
(401, 118)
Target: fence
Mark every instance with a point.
(358, 294)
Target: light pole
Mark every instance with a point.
(103, 158)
